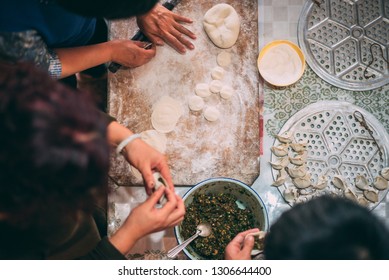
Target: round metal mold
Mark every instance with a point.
(338, 39)
(337, 145)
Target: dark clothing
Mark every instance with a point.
(66, 239)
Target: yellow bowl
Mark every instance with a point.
(282, 72)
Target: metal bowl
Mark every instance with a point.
(245, 195)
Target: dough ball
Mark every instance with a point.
(215, 86)
(211, 113)
(202, 90)
(166, 113)
(226, 92)
(222, 25)
(217, 73)
(223, 59)
(196, 103)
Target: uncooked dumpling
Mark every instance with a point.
(196, 103)
(222, 25)
(211, 113)
(223, 59)
(218, 73)
(202, 90)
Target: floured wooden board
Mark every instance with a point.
(197, 149)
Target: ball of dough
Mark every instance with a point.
(215, 86)
(226, 92)
(223, 59)
(222, 25)
(196, 103)
(217, 73)
(211, 113)
(202, 90)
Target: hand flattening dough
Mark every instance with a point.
(211, 113)
(222, 25)
(202, 90)
(217, 73)
(196, 103)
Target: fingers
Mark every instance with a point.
(148, 178)
(163, 168)
(248, 245)
(154, 197)
(182, 18)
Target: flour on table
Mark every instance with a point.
(222, 25)
(215, 86)
(211, 113)
(223, 59)
(226, 92)
(196, 103)
(166, 113)
(280, 65)
(218, 73)
(202, 90)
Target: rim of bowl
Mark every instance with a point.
(225, 179)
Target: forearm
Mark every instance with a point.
(117, 133)
(77, 59)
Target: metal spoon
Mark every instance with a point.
(202, 230)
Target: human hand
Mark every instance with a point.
(160, 25)
(146, 219)
(240, 247)
(131, 53)
(146, 159)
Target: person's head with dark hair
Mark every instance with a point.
(327, 228)
(54, 154)
(113, 9)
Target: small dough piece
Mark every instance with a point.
(223, 59)
(202, 90)
(196, 103)
(215, 86)
(222, 25)
(226, 92)
(218, 73)
(166, 113)
(211, 113)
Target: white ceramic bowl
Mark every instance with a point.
(243, 193)
(281, 63)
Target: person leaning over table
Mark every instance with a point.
(324, 228)
(54, 158)
(58, 36)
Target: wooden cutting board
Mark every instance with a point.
(197, 149)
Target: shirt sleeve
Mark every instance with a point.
(104, 251)
(29, 46)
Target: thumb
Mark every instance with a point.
(154, 198)
(248, 245)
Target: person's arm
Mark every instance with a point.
(161, 25)
(125, 52)
(146, 219)
(240, 247)
(140, 155)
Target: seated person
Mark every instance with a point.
(54, 158)
(324, 228)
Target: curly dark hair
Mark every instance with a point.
(54, 154)
(327, 228)
(113, 9)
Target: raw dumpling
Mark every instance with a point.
(339, 182)
(380, 183)
(385, 173)
(280, 150)
(361, 182)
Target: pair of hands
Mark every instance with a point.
(159, 25)
(146, 219)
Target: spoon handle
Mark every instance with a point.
(174, 251)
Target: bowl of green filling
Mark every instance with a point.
(229, 206)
